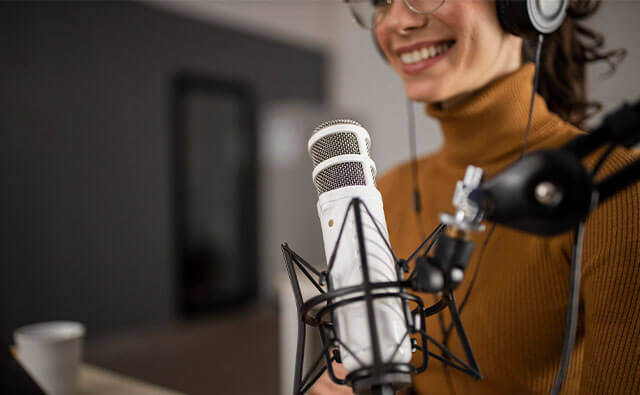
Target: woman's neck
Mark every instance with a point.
(510, 62)
(488, 127)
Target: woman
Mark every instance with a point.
(478, 86)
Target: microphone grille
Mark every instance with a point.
(341, 143)
(338, 142)
(340, 175)
(339, 150)
(335, 122)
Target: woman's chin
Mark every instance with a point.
(426, 94)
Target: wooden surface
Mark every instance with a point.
(227, 353)
(98, 381)
(93, 380)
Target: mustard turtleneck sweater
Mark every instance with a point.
(515, 315)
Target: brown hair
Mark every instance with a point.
(565, 54)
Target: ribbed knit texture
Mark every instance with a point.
(515, 316)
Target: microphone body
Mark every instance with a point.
(350, 174)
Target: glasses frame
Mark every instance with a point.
(407, 3)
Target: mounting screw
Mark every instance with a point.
(404, 265)
(322, 278)
(456, 275)
(548, 194)
(414, 345)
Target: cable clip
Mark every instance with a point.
(468, 215)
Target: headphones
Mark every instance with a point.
(523, 18)
(528, 18)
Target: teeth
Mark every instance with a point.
(424, 53)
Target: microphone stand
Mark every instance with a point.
(440, 273)
(549, 192)
(545, 193)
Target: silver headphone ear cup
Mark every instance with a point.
(546, 15)
(528, 18)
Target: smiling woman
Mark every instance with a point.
(478, 51)
(468, 62)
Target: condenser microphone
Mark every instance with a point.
(343, 170)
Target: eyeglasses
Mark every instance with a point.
(369, 13)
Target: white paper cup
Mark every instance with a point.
(51, 353)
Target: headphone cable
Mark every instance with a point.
(536, 76)
(417, 206)
(522, 152)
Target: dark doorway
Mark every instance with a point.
(214, 162)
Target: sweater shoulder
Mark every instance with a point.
(628, 198)
(612, 230)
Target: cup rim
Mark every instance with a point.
(50, 331)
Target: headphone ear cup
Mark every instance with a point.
(528, 18)
(513, 17)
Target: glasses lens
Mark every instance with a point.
(367, 13)
(424, 6)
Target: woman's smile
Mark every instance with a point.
(417, 57)
(450, 52)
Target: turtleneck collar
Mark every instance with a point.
(488, 128)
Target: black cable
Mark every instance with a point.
(416, 192)
(536, 76)
(417, 201)
(417, 206)
(477, 268)
(572, 309)
(574, 289)
(574, 278)
(574, 281)
(473, 280)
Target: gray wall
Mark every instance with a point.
(85, 213)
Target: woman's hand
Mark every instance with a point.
(324, 385)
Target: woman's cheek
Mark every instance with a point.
(382, 40)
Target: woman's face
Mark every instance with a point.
(451, 52)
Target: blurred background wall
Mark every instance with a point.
(360, 83)
(85, 149)
(88, 225)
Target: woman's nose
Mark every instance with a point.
(402, 20)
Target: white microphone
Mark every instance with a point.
(343, 170)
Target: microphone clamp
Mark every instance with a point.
(469, 214)
(444, 271)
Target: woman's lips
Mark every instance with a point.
(417, 67)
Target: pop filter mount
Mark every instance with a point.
(439, 273)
